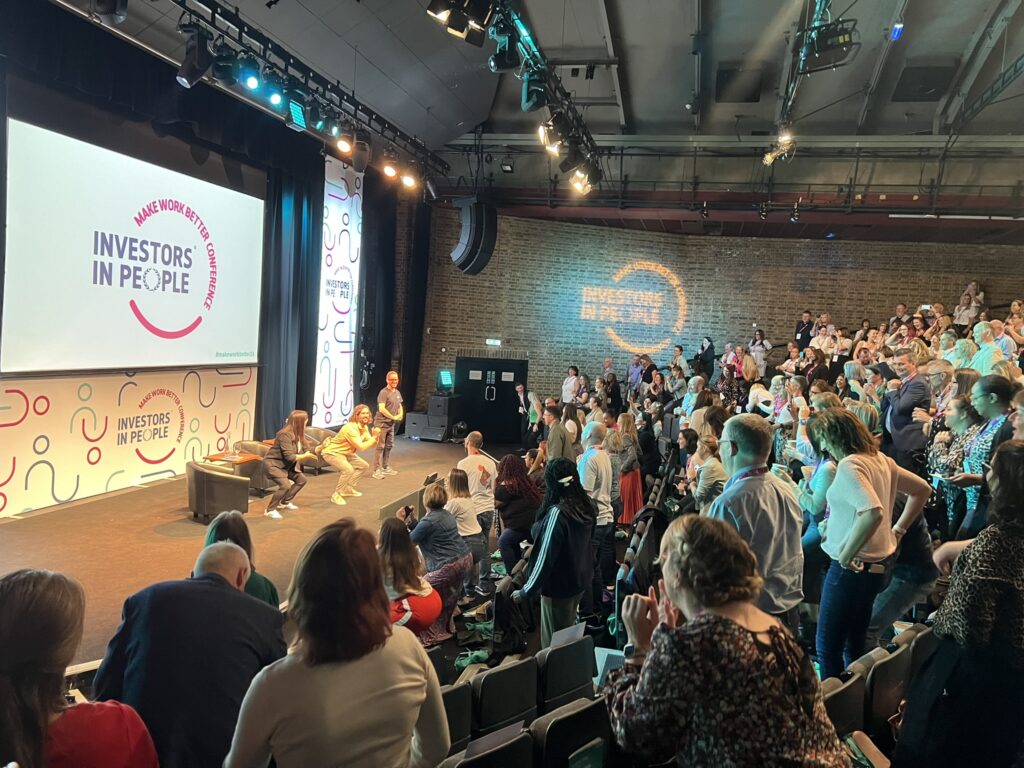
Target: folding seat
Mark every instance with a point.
(565, 674)
(844, 702)
(566, 730)
(923, 647)
(886, 687)
(458, 706)
(516, 752)
(504, 695)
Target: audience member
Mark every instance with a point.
(706, 358)
(702, 658)
(614, 395)
(965, 705)
(516, 499)
(570, 385)
(573, 426)
(765, 511)
(613, 447)
(903, 438)
(480, 470)
(461, 507)
(988, 353)
(707, 472)
(858, 535)
(231, 526)
(595, 472)
(559, 444)
(414, 603)
(41, 619)
(356, 689)
(445, 554)
(946, 458)
(190, 700)
(631, 486)
(561, 564)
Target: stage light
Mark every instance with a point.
(553, 131)
(586, 176)
(705, 212)
(331, 126)
(458, 23)
(110, 11)
(197, 56)
(762, 211)
(535, 92)
(897, 31)
(249, 72)
(794, 217)
(507, 166)
(361, 151)
(504, 60)
(571, 161)
(479, 12)
(273, 87)
(409, 179)
(390, 163)
(431, 186)
(476, 36)
(346, 140)
(784, 148)
(830, 235)
(440, 10)
(225, 63)
(295, 115)
(317, 117)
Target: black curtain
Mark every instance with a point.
(59, 51)
(380, 206)
(415, 301)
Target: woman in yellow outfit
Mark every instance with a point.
(341, 451)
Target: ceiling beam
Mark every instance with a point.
(783, 102)
(981, 44)
(606, 30)
(598, 101)
(699, 40)
(876, 75)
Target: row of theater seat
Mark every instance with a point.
(869, 692)
(519, 692)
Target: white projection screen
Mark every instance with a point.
(115, 263)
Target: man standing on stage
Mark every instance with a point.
(390, 413)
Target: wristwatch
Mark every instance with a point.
(631, 653)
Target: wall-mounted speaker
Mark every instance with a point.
(479, 233)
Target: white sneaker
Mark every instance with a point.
(379, 474)
(273, 514)
(351, 492)
(389, 471)
(338, 499)
(289, 505)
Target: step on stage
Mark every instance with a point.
(117, 543)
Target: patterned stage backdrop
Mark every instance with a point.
(76, 436)
(337, 338)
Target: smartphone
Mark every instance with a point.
(926, 306)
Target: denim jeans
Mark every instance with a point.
(815, 562)
(508, 544)
(602, 549)
(478, 549)
(846, 600)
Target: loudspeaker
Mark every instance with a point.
(415, 422)
(419, 427)
(479, 233)
(444, 405)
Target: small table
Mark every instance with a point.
(242, 464)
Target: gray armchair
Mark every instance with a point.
(316, 436)
(258, 479)
(213, 489)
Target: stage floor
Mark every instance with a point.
(117, 543)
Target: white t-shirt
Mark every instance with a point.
(569, 387)
(383, 710)
(573, 429)
(862, 482)
(464, 512)
(481, 472)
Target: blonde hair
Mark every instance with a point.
(749, 367)
(711, 443)
(613, 441)
(712, 561)
(458, 484)
(1007, 369)
(435, 497)
(358, 410)
(627, 427)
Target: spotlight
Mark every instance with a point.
(409, 180)
(197, 56)
(331, 126)
(784, 148)
(431, 189)
(586, 176)
(249, 72)
(794, 217)
(762, 211)
(274, 88)
(553, 131)
(479, 12)
(507, 166)
(346, 140)
(705, 212)
(110, 12)
(458, 23)
(535, 93)
(225, 63)
(504, 60)
(361, 151)
(295, 116)
(476, 36)
(440, 10)
(390, 163)
(316, 116)
(572, 160)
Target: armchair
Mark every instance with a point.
(213, 489)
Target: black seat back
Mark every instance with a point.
(844, 702)
(458, 706)
(505, 695)
(565, 673)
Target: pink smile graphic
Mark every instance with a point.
(160, 331)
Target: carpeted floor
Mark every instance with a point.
(117, 543)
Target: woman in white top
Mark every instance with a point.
(355, 691)
(571, 385)
(858, 534)
(460, 506)
(572, 424)
(759, 349)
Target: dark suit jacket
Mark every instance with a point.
(907, 436)
(183, 658)
(284, 450)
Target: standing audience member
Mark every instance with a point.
(965, 705)
(231, 526)
(759, 349)
(765, 512)
(946, 458)
(189, 707)
(283, 463)
(708, 474)
(988, 353)
(524, 408)
(702, 658)
(858, 535)
(561, 564)
(570, 385)
(904, 438)
(415, 604)
(706, 358)
(573, 425)
(613, 446)
(447, 558)
(631, 486)
(634, 375)
(355, 686)
(595, 472)
(559, 444)
(480, 470)
(614, 395)
(460, 505)
(41, 619)
(341, 452)
(516, 499)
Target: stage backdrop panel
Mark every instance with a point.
(72, 437)
(114, 263)
(340, 300)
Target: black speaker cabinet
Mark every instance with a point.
(444, 405)
(479, 233)
(421, 426)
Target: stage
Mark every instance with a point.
(117, 543)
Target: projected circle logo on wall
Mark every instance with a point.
(646, 298)
(162, 266)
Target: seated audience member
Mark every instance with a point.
(561, 564)
(709, 476)
(702, 658)
(460, 505)
(764, 510)
(414, 603)
(965, 705)
(714, 421)
(231, 526)
(357, 690)
(858, 535)
(693, 386)
(516, 499)
(596, 413)
(988, 353)
(703, 400)
(189, 701)
(791, 365)
(41, 619)
(447, 558)
(677, 382)
(536, 458)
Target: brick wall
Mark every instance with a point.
(532, 294)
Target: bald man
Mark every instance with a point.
(185, 654)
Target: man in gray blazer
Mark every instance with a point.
(559, 442)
